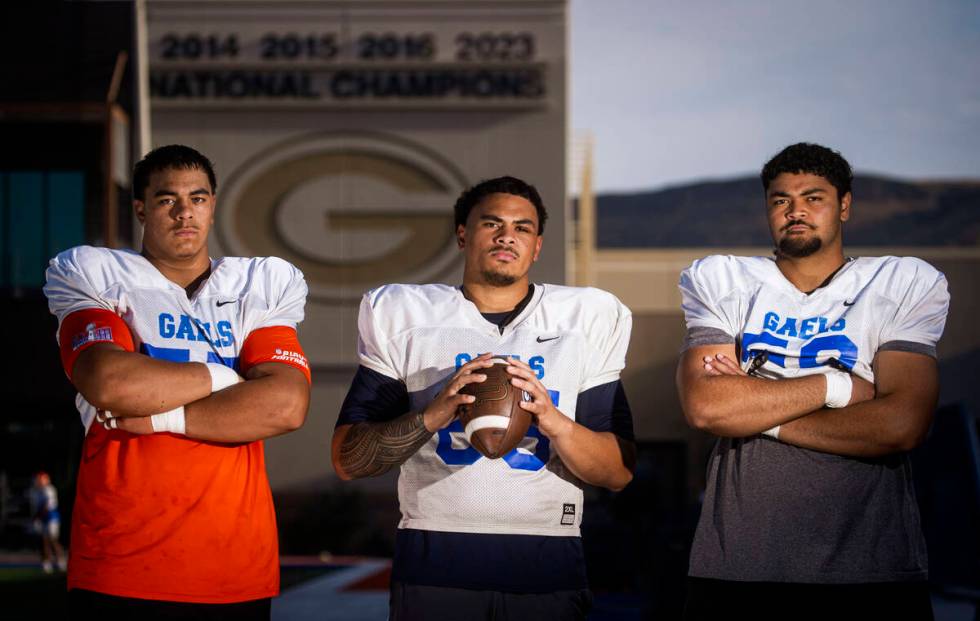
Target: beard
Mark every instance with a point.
(498, 279)
(796, 248)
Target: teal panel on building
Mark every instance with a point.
(26, 241)
(41, 214)
(66, 210)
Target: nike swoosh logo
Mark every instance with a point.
(223, 302)
(550, 338)
(846, 303)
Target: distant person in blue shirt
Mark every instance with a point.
(47, 522)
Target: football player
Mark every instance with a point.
(183, 365)
(817, 372)
(487, 538)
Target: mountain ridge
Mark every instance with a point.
(730, 212)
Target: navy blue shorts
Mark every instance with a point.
(417, 602)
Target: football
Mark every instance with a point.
(495, 423)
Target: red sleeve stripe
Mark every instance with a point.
(82, 329)
(273, 344)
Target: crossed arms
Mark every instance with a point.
(891, 416)
(272, 401)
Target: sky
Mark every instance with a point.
(673, 92)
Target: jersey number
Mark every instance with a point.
(184, 355)
(844, 348)
(519, 458)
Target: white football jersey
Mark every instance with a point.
(870, 304)
(573, 338)
(239, 296)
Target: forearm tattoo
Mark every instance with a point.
(371, 449)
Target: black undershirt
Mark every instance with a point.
(501, 319)
(826, 281)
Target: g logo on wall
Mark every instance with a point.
(353, 211)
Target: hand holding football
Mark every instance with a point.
(495, 422)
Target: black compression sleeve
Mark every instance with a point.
(373, 397)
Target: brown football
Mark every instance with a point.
(495, 423)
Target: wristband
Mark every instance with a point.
(221, 376)
(772, 433)
(839, 387)
(172, 421)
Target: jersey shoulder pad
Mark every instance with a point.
(406, 297)
(719, 275)
(274, 267)
(595, 313)
(911, 268)
(100, 267)
(81, 255)
(589, 300)
(896, 276)
(397, 307)
(268, 274)
(275, 271)
(88, 258)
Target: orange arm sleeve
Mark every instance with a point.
(82, 329)
(273, 344)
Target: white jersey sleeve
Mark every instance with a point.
(920, 311)
(286, 294)
(373, 345)
(74, 281)
(69, 287)
(709, 297)
(609, 338)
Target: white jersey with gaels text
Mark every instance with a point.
(871, 304)
(573, 338)
(239, 296)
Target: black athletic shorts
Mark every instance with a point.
(724, 599)
(416, 602)
(86, 605)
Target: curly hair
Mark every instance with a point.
(173, 156)
(805, 157)
(500, 185)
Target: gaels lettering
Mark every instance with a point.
(833, 349)
(189, 329)
(808, 327)
(535, 362)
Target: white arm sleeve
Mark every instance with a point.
(287, 292)
(709, 301)
(373, 347)
(609, 339)
(920, 314)
(67, 287)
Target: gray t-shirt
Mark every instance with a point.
(778, 513)
(774, 512)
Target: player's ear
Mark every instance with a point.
(139, 209)
(845, 207)
(537, 247)
(460, 236)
